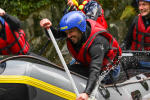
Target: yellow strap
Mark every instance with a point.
(84, 2)
(38, 84)
(82, 5)
(75, 3)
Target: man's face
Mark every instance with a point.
(74, 34)
(144, 8)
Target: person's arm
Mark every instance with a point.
(46, 23)
(126, 45)
(92, 10)
(97, 51)
(57, 33)
(12, 21)
(70, 7)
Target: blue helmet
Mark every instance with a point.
(143, 0)
(2, 21)
(73, 19)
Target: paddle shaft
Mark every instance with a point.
(63, 61)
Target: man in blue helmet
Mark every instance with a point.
(91, 45)
(138, 37)
(12, 37)
(91, 8)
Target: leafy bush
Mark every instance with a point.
(23, 8)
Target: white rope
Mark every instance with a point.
(100, 78)
(98, 83)
(63, 61)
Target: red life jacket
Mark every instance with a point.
(15, 42)
(101, 20)
(141, 35)
(111, 57)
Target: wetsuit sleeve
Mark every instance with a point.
(92, 10)
(57, 33)
(126, 45)
(14, 23)
(96, 51)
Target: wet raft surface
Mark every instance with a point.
(130, 66)
(131, 73)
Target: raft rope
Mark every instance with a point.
(127, 83)
(100, 78)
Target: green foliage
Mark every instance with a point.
(128, 12)
(101, 1)
(23, 8)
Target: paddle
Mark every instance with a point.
(135, 53)
(44, 47)
(62, 61)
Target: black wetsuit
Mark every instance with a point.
(97, 51)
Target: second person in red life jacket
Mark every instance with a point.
(91, 8)
(138, 36)
(91, 45)
(12, 37)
